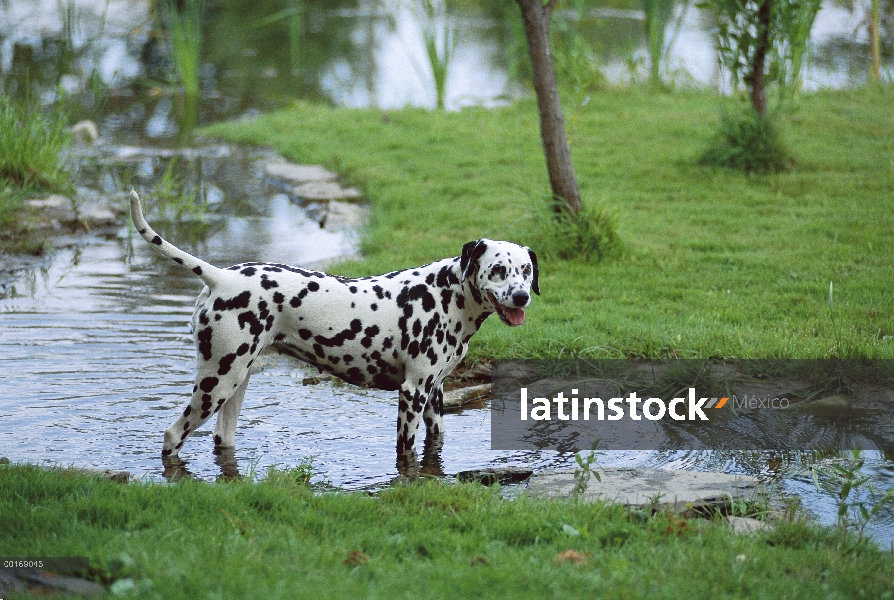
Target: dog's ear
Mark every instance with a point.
(471, 253)
(535, 285)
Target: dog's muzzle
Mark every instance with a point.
(512, 316)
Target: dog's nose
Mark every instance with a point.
(520, 298)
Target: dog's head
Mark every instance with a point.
(504, 273)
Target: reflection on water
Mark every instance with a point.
(113, 59)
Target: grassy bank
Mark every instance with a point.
(30, 165)
(276, 539)
(715, 263)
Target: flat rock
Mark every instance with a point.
(658, 488)
(496, 475)
(747, 526)
(323, 191)
(41, 583)
(835, 400)
(298, 174)
(97, 214)
(343, 215)
(113, 475)
(54, 210)
(456, 398)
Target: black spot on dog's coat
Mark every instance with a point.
(240, 301)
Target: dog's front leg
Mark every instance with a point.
(411, 402)
(434, 419)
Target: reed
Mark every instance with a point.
(439, 36)
(186, 43)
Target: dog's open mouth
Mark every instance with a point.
(511, 316)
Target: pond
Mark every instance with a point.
(96, 356)
(112, 62)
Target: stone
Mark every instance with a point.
(53, 212)
(57, 206)
(41, 583)
(502, 475)
(85, 132)
(456, 398)
(97, 214)
(654, 488)
(117, 476)
(747, 526)
(324, 191)
(297, 174)
(343, 215)
(835, 400)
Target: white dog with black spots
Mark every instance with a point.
(406, 330)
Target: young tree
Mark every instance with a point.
(760, 42)
(763, 41)
(536, 16)
(875, 45)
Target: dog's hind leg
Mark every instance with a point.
(210, 394)
(225, 428)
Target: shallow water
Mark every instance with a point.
(96, 357)
(96, 361)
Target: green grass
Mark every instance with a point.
(30, 164)
(29, 147)
(716, 263)
(279, 540)
(186, 43)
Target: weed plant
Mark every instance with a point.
(858, 501)
(172, 199)
(186, 43)
(439, 36)
(30, 146)
(748, 142)
(589, 236)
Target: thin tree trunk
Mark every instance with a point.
(875, 42)
(536, 16)
(756, 77)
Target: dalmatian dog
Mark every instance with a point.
(403, 331)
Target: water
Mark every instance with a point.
(114, 64)
(96, 358)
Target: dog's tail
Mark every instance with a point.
(208, 272)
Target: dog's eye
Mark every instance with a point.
(498, 272)
(526, 271)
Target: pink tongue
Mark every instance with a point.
(516, 316)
